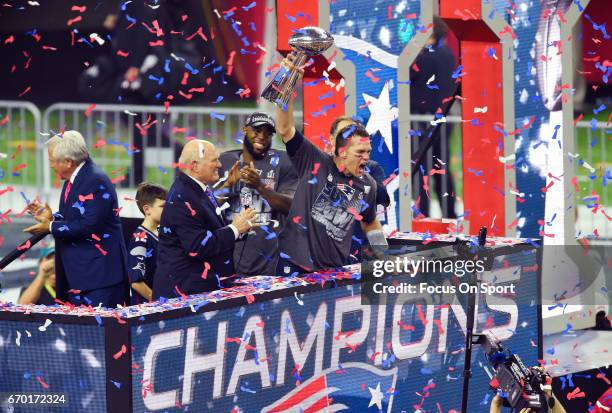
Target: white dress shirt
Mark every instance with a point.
(205, 188)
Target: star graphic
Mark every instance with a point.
(377, 396)
(381, 115)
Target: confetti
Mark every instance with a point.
(44, 326)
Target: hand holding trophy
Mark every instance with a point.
(306, 42)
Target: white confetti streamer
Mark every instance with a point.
(220, 209)
(44, 327)
(589, 167)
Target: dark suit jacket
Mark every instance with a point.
(90, 251)
(190, 235)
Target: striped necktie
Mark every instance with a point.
(213, 200)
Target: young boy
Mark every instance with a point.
(142, 249)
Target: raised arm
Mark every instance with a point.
(285, 124)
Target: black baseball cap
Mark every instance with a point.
(260, 119)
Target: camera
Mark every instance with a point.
(520, 386)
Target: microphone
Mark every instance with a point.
(482, 236)
(246, 197)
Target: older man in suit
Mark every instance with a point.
(195, 241)
(90, 260)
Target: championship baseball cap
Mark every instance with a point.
(260, 119)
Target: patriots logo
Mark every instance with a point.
(347, 190)
(358, 385)
(140, 236)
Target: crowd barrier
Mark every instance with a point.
(113, 130)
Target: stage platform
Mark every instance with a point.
(272, 344)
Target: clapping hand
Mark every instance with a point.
(42, 214)
(250, 176)
(233, 175)
(244, 220)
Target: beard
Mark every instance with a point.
(251, 150)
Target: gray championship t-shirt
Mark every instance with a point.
(257, 253)
(325, 206)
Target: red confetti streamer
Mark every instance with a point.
(575, 183)
(183, 296)
(25, 246)
(575, 394)
(578, 119)
(426, 184)
(116, 316)
(438, 323)
(101, 249)
(508, 30)
(373, 78)
(205, 272)
(19, 167)
(122, 53)
(354, 213)
(89, 109)
(99, 144)
(421, 315)
(75, 20)
(27, 89)
(95, 237)
(188, 205)
(157, 43)
(185, 78)
(4, 191)
(158, 30)
(604, 378)
(199, 33)
(80, 9)
(315, 168)
(120, 353)
(544, 234)
(42, 383)
(547, 187)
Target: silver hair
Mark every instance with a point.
(188, 156)
(70, 145)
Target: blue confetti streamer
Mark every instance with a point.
(217, 116)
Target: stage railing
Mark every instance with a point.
(20, 148)
(111, 131)
(591, 137)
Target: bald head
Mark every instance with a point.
(200, 160)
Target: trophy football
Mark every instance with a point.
(306, 42)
